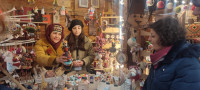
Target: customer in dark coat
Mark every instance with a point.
(175, 62)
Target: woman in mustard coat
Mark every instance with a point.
(49, 50)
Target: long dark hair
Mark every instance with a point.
(72, 41)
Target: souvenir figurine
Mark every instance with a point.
(67, 53)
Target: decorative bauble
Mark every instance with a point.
(131, 42)
(196, 3)
(160, 4)
(150, 2)
(178, 9)
(193, 7)
(185, 7)
(170, 5)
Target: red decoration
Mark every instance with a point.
(160, 4)
(46, 18)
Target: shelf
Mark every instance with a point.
(111, 30)
(109, 45)
(17, 42)
(34, 22)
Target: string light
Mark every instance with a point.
(183, 2)
(190, 3)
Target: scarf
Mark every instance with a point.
(159, 56)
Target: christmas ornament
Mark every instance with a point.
(150, 2)
(170, 5)
(160, 5)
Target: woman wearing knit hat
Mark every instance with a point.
(80, 47)
(49, 50)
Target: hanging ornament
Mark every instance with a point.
(87, 19)
(178, 9)
(193, 7)
(185, 7)
(160, 5)
(31, 27)
(91, 12)
(104, 25)
(150, 2)
(62, 10)
(42, 11)
(170, 5)
(55, 4)
(36, 9)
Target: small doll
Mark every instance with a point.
(67, 53)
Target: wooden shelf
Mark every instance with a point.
(17, 42)
(111, 30)
(34, 22)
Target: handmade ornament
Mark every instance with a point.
(132, 42)
(121, 57)
(67, 53)
(193, 7)
(170, 5)
(87, 19)
(104, 25)
(36, 9)
(178, 9)
(56, 17)
(62, 10)
(31, 1)
(31, 27)
(112, 38)
(150, 2)
(91, 12)
(100, 61)
(17, 31)
(42, 11)
(160, 4)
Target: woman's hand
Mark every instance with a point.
(78, 63)
(50, 73)
(62, 59)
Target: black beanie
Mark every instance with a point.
(74, 23)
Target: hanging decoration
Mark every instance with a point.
(91, 12)
(31, 1)
(35, 9)
(160, 5)
(170, 5)
(178, 9)
(150, 2)
(42, 11)
(62, 10)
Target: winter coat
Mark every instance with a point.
(45, 53)
(87, 56)
(180, 69)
